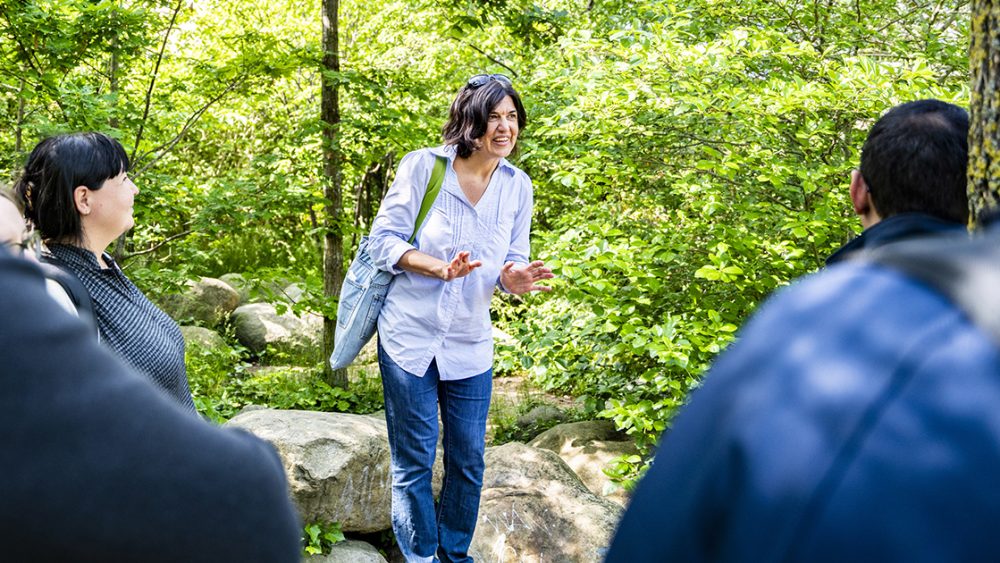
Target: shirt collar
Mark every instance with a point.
(449, 152)
(81, 257)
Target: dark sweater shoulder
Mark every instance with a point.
(905, 226)
(124, 474)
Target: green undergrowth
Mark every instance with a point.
(505, 412)
(223, 382)
(319, 537)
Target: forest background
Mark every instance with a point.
(688, 156)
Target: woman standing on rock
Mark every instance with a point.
(78, 195)
(435, 338)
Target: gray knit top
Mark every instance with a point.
(132, 326)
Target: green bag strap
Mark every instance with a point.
(433, 188)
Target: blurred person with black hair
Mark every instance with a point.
(857, 416)
(911, 181)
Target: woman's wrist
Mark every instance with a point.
(417, 262)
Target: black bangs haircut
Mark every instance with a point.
(55, 168)
(469, 115)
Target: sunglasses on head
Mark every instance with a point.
(482, 79)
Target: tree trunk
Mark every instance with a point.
(333, 247)
(19, 125)
(372, 188)
(984, 135)
(113, 82)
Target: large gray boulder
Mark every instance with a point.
(292, 293)
(534, 508)
(202, 338)
(337, 464)
(207, 301)
(239, 283)
(259, 326)
(255, 291)
(350, 551)
(587, 448)
(542, 414)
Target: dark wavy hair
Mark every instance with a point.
(55, 168)
(469, 115)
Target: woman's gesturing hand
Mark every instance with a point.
(520, 279)
(459, 267)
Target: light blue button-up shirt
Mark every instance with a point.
(426, 318)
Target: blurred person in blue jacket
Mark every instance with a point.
(857, 417)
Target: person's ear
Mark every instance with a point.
(81, 198)
(861, 198)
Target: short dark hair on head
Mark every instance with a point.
(915, 160)
(55, 168)
(469, 115)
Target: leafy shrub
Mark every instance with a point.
(222, 383)
(319, 537)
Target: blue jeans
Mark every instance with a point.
(429, 531)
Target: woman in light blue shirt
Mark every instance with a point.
(435, 337)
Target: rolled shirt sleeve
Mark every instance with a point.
(520, 244)
(393, 225)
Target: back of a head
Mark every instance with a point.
(55, 168)
(915, 159)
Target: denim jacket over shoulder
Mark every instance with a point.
(425, 318)
(855, 419)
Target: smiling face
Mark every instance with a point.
(501, 130)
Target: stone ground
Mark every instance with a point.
(510, 392)
(514, 387)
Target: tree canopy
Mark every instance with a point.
(688, 156)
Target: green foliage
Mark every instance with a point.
(209, 373)
(688, 156)
(223, 383)
(319, 537)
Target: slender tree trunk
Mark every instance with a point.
(984, 135)
(19, 126)
(333, 247)
(113, 79)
